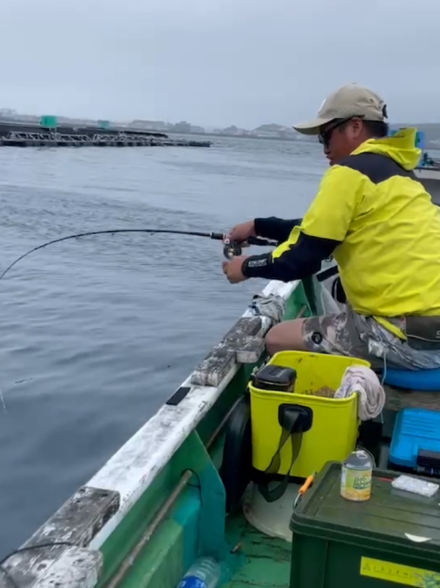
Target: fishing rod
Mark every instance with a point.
(230, 249)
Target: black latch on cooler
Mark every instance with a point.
(275, 377)
(294, 420)
(428, 460)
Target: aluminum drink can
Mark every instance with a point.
(356, 476)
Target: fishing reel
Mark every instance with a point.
(234, 249)
(231, 249)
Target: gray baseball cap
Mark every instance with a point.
(348, 101)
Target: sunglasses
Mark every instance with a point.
(325, 136)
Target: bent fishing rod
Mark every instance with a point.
(230, 249)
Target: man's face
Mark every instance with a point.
(340, 137)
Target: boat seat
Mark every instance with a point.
(420, 380)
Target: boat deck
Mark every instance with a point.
(267, 559)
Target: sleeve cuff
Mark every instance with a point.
(256, 266)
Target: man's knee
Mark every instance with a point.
(272, 341)
(287, 336)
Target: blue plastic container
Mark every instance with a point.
(415, 442)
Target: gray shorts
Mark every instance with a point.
(355, 335)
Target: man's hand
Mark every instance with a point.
(232, 269)
(241, 232)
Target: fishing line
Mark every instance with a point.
(230, 249)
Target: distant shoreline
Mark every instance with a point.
(251, 137)
(430, 130)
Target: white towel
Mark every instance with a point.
(364, 381)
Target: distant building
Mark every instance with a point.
(235, 131)
(196, 129)
(8, 113)
(182, 127)
(274, 131)
(151, 125)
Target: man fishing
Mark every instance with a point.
(379, 224)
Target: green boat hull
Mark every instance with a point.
(162, 500)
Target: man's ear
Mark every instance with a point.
(357, 127)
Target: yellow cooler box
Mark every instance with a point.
(297, 426)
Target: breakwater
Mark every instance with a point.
(28, 135)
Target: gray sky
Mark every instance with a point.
(217, 62)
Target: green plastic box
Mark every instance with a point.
(391, 539)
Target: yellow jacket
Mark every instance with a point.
(379, 223)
